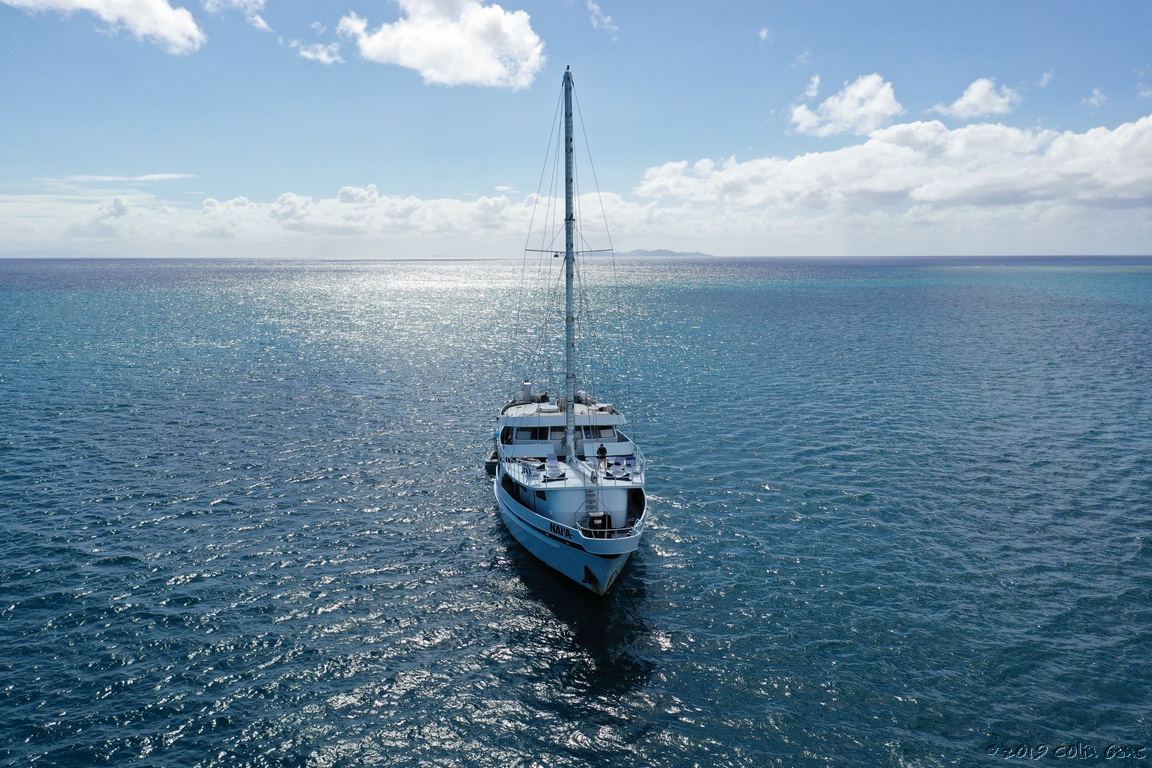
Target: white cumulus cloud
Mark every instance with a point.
(156, 21)
(325, 54)
(982, 98)
(813, 89)
(601, 21)
(250, 8)
(104, 223)
(927, 164)
(920, 188)
(861, 107)
(1097, 99)
(454, 42)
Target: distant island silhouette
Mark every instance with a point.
(665, 254)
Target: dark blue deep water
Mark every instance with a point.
(901, 517)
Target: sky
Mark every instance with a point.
(419, 128)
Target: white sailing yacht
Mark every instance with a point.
(568, 481)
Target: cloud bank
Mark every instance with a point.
(927, 164)
(454, 42)
(911, 188)
(155, 21)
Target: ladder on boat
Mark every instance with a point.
(591, 501)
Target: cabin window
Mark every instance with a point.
(600, 433)
(511, 487)
(531, 434)
(557, 433)
(541, 495)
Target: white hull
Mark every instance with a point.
(597, 570)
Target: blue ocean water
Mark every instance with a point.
(900, 517)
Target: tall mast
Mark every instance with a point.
(569, 272)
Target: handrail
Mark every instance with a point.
(588, 532)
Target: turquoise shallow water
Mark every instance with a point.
(900, 513)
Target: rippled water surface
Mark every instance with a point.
(900, 517)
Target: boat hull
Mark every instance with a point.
(595, 571)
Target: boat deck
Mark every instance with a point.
(550, 472)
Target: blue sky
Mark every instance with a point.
(348, 128)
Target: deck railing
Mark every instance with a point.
(586, 528)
